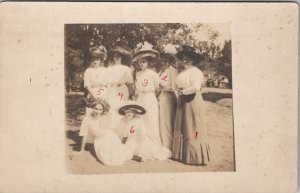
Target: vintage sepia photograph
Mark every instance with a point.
(148, 98)
(154, 97)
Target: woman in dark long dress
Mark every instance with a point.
(190, 143)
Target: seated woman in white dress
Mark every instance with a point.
(108, 147)
(131, 129)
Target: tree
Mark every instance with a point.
(225, 62)
(79, 38)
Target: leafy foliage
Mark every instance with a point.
(80, 38)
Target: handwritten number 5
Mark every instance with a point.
(145, 82)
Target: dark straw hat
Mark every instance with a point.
(134, 106)
(190, 52)
(169, 57)
(121, 50)
(99, 52)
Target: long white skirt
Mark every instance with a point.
(118, 95)
(110, 150)
(148, 150)
(151, 118)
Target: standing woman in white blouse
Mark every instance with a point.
(120, 78)
(147, 83)
(96, 77)
(95, 81)
(190, 144)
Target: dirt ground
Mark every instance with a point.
(220, 130)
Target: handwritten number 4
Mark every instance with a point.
(164, 78)
(121, 95)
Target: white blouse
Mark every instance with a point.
(168, 78)
(133, 129)
(190, 80)
(147, 81)
(96, 77)
(96, 127)
(120, 74)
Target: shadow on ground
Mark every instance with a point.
(74, 135)
(214, 96)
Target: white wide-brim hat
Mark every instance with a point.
(144, 50)
(145, 53)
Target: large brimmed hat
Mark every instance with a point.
(170, 57)
(144, 50)
(190, 52)
(134, 106)
(99, 51)
(121, 50)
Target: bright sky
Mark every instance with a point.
(222, 28)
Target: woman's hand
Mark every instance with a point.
(179, 92)
(124, 140)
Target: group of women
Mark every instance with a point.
(165, 118)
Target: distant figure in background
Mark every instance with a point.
(210, 82)
(190, 143)
(224, 82)
(167, 99)
(147, 83)
(216, 83)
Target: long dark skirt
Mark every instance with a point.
(190, 144)
(167, 111)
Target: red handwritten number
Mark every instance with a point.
(99, 91)
(164, 77)
(145, 82)
(121, 95)
(132, 129)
